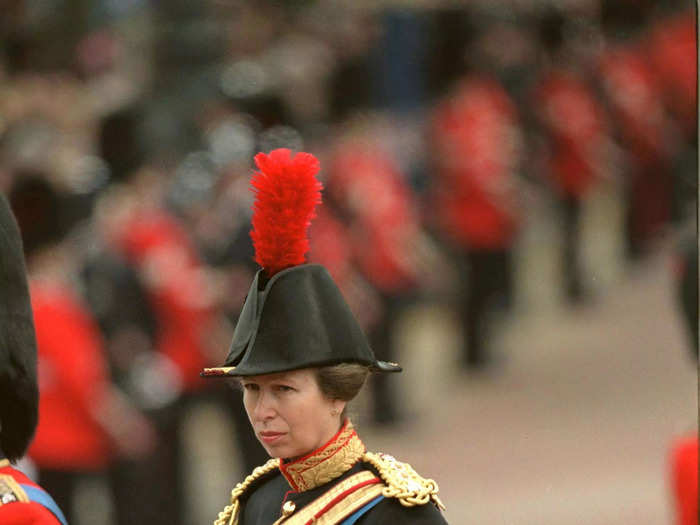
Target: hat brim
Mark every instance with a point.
(386, 366)
(219, 371)
(231, 371)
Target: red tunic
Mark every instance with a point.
(19, 511)
(636, 102)
(72, 382)
(384, 219)
(673, 51)
(476, 142)
(574, 122)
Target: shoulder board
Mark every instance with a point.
(229, 516)
(10, 490)
(402, 482)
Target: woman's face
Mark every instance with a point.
(289, 414)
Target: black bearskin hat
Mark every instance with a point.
(19, 393)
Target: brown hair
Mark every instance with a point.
(343, 381)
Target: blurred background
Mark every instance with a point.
(510, 209)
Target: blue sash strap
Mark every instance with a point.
(43, 498)
(358, 513)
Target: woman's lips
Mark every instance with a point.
(270, 437)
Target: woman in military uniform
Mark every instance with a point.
(300, 357)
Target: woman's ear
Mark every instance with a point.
(338, 406)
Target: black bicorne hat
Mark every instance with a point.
(297, 317)
(19, 394)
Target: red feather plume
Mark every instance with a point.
(286, 193)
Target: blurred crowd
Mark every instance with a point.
(127, 131)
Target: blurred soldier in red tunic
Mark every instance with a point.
(672, 46)
(673, 49)
(22, 502)
(642, 125)
(151, 241)
(83, 420)
(476, 146)
(574, 137)
(383, 229)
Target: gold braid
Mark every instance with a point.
(229, 516)
(402, 482)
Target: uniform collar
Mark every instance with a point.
(325, 463)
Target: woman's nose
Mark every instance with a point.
(264, 408)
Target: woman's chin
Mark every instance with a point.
(275, 451)
(272, 452)
(281, 451)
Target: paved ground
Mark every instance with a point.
(576, 425)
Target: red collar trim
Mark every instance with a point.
(328, 462)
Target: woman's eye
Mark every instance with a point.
(285, 388)
(251, 387)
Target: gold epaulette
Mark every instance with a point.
(402, 482)
(229, 516)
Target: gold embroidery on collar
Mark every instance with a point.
(4, 463)
(327, 463)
